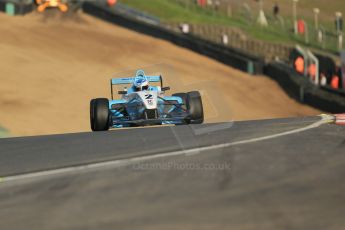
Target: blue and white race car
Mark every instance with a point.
(142, 105)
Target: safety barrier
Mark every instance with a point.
(137, 14)
(303, 90)
(232, 57)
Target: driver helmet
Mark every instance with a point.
(140, 82)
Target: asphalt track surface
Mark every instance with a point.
(272, 174)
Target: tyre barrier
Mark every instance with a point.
(301, 89)
(229, 56)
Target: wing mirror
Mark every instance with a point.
(166, 88)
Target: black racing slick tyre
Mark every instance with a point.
(99, 114)
(195, 108)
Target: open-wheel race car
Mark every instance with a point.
(142, 104)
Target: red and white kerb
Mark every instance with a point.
(340, 119)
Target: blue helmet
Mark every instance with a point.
(140, 81)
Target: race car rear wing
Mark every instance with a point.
(129, 80)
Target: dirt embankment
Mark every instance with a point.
(50, 67)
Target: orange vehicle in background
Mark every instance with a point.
(61, 4)
(44, 4)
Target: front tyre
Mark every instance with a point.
(99, 114)
(195, 108)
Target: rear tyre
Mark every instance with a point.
(195, 108)
(99, 114)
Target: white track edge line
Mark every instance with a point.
(194, 151)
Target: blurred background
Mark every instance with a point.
(318, 19)
(267, 58)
